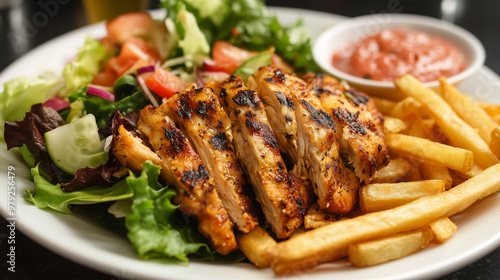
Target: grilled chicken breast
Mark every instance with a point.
(198, 113)
(132, 152)
(257, 148)
(196, 192)
(311, 133)
(272, 89)
(360, 124)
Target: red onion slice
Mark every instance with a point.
(56, 103)
(199, 81)
(146, 69)
(100, 92)
(147, 92)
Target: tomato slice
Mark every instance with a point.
(164, 83)
(138, 48)
(136, 52)
(136, 24)
(119, 65)
(228, 57)
(105, 79)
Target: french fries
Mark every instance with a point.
(394, 125)
(315, 217)
(318, 245)
(405, 108)
(442, 161)
(495, 141)
(455, 128)
(389, 248)
(377, 197)
(442, 229)
(431, 152)
(469, 111)
(393, 172)
(256, 246)
(436, 172)
(385, 106)
(493, 110)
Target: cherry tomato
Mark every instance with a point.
(228, 57)
(105, 79)
(164, 83)
(123, 27)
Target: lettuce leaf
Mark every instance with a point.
(83, 69)
(103, 109)
(247, 24)
(51, 196)
(19, 94)
(155, 228)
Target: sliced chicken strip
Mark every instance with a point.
(132, 152)
(257, 148)
(199, 115)
(196, 192)
(362, 141)
(271, 86)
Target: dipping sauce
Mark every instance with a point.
(392, 53)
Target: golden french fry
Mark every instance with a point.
(385, 106)
(414, 173)
(495, 141)
(455, 128)
(436, 172)
(394, 171)
(457, 178)
(406, 108)
(468, 110)
(316, 217)
(431, 152)
(321, 244)
(492, 109)
(475, 170)
(389, 248)
(442, 228)
(394, 125)
(378, 197)
(256, 246)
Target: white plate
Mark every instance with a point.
(84, 242)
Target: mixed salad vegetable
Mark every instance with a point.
(65, 134)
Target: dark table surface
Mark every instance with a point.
(481, 17)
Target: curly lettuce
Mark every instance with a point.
(87, 64)
(19, 94)
(47, 195)
(155, 228)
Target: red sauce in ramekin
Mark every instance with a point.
(392, 53)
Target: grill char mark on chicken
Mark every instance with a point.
(198, 113)
(359, 123)
(269, 83)
(309, 136)
(257, 148)
(196, 193)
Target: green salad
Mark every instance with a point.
(63, 126)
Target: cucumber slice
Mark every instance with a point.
(76, 145)
(249, 66)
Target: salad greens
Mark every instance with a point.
(19, 94)
(51, 196)
(103, 109)
(156, 228)
(247, 24)
(87, 64)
